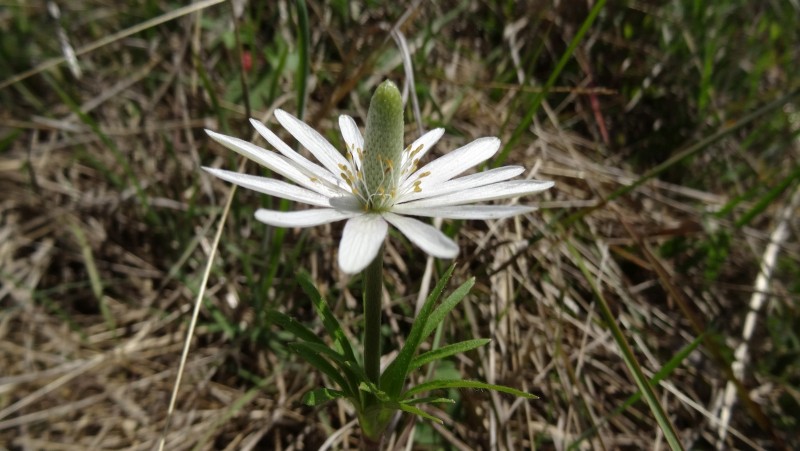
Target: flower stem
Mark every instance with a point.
(373, 290)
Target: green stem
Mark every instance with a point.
(373, 290)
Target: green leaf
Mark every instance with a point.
(369, 387)
(321, 396)
(328, 319)
(447, 351)
(447, 305)
(353, 373)
(395, 374)
(768, 198)
(629, 358)
(419, 412)
(430, 400)
(533, 106)
(322, 365)
(460, 383)
(291, 325)
(662, 374)
(303, 41)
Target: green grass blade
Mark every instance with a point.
(630, 360)
(447, 351)
(368, 387)
(216, 107)
(534, 106)
(768, 198)
(679, 157)
(419, 412)
(291, 325)
(121, 159)
(662, 374)
(95, 280)
(430, 400)
(320, 396)
(325, 367)
(303, 42)
(329, 321)
(440, 384)
(447, 305)
(393, 378)
(349, 372)
(240, 55)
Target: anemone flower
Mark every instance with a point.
(377, 182)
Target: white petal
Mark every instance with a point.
(322, 150)
(502, 190)
(347, 203)
(427, 237)
(333, 180)
(302, 218)
(453, 163)
(352, 137)
(276, 163)
(272, 187)
(424, 143)
(465, 211)
(468, 181)
(361, 240)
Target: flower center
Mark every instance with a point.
(383, 150)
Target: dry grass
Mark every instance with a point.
(106, 223)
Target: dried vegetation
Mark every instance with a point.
(675, 154)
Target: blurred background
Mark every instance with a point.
(670, 128)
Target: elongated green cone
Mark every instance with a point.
(383, 145)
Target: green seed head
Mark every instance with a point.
(383, 145)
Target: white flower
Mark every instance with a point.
(338, 190)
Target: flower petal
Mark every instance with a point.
(468, 181)
(453, 163)
(502, 190)
(281, 165)
(427, 237)
(322, 150)
(352, 138)
(361, 240)
(302, 218)
(332, 179)
(465, 211)
(422, 145)
(272, 187)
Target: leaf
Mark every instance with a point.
(660, 375)
(419, 412)
(328, 320)
(768, 198)
(447, 351)
(370, 387)
(322, 365)
(447, 305)
(460, 383)
(353, 374)
(321, 396)
(628, 356)
(430, 400)
(395, 374)
(291, 325)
